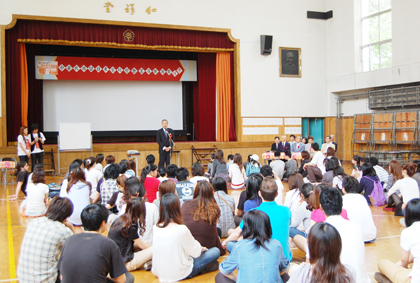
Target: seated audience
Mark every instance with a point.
(357, 168)
(110, 159)
(176, 254)
(329, 172)
(279, 215)
(184, 187)
(165, 187)
(292, 197)
(339, 175)
(230, 161)
(120, 197)
(277, 165)
(63, 190)
(237, 173)
(210, 165)
(247, 161)
(253, 166)
(301, 216)
(380, 171)
(243, 197)
(219, 166)
(123, 166)
(313, 175)
(226, 205)
(171, 172)
(410, 251)
(92, 175)
(358, 210)
(253, 198)
(306, 158)
(162, 174)
(201, 215)
(78, 191)
(109, 186)
(131, 170)
(35, 203)
(258, 257)
(408, 188)
(290, 166)
(395, 174)
(416, 175)
(331, 154)
(99, 159)
(79, 162)
(89, 256)
(150, 182)
(353, 247)
(367, 182)
(150, 159)
(126, 231)
(267, 172)
(42, 243)
(317, 215)
(197, 171)
(318, 159)
(21, 179)
(325, 247)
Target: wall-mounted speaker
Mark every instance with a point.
(266, 44)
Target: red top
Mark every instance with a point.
(318, 216)
(151, 186)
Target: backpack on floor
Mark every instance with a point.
(377, 195)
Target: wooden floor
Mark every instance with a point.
(12, 230)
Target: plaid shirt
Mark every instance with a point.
(226, 221)
(40, 249)
(108, 188)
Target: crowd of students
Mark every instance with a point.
(173, 224)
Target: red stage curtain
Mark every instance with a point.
(24, 85)
(205, 98)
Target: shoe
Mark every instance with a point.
(212, 267)
(147, 266)
(381, 278)
(390, 208)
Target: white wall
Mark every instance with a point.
(343, 42)
(264, 93)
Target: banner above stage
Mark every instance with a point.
(113, 69)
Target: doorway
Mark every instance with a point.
(314, 127)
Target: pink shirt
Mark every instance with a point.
(318, 216)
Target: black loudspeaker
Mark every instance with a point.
(266, 44)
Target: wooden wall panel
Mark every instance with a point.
(329, 126)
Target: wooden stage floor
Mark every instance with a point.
(12, 229)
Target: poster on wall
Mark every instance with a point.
(262, 121)
(248, 131)
(113, 69)
(290, 62)
(292, 121)
(292, 130)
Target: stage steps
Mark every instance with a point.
(203, 154)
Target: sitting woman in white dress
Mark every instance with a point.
(37, 195)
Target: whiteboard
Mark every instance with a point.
(113, 105)
(74, 136)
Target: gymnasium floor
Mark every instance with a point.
(12, 230)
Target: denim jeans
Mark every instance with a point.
(294, 231)
(204, 260)
(230, 245)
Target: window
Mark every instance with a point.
(376, 34)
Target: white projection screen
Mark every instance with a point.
(113, 105)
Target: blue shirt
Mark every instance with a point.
(280, 219)
(256, 265)
(252, 203)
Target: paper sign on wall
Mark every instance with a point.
(292, 121)
(293, 130)
(261, 131)
(383, 136)
(262, 121)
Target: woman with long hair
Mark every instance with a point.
(356, 172)
(78, 191)
(306, 158)
(99, 159)
(407, 187)
(243, 197)
(339, 175)
(126, 231)
(21, 179)
(201, 215)
(226, 204)
(325, 245)
(35, 203)
(292, 197)
(253, 166)
(24, 144)
(253, 200)
(317, 215)
(237, 173)
(367, 182)
(176, 254)
(410, 247)
(92, 175)
(258, 257)
(120, 197)
(300, 216)
(150, 182)
(219, 166)
(395, 174)
(329, 171)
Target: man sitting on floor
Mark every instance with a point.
(89, 256)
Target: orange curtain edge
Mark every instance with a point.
(24, 84)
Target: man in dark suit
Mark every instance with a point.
(284, 145)
(276, 145)
(332, 138)
(165, 138)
